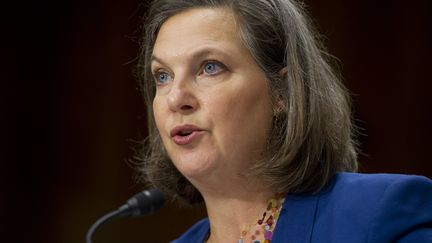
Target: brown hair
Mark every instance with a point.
(312, 136)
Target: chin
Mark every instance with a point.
(194, 167)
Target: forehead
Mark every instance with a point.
(195, 28)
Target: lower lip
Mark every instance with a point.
(184, 140)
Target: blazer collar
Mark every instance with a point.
(295, 223)
(297, 218)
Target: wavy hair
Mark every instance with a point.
(312, 137)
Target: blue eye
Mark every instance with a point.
(162, 77)
(212, 68)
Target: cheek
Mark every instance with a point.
(158, 113)
(241, 112)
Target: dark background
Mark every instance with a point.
(71, 108)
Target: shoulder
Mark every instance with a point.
(376, 184)
(386, 207)
(371, 194)
(369, 190)
(360, 208)
(196, 233)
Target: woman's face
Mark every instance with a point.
(212, 105)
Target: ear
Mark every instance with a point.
(279, 104)
(283, 72)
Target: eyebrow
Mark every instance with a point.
(200, 53)
(157, 59)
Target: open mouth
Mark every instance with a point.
(184, 133)
(185, 137)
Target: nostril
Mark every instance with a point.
(186, 107)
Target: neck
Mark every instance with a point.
(231, 208)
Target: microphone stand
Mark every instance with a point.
(100, 222)
(142, 203)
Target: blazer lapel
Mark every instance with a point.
(296, 220)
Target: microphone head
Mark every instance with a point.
(145, 202)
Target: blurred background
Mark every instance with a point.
(72, 109)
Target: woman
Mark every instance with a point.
(247, 116)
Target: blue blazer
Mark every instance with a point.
(353, 208)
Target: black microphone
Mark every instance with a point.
(142, 203)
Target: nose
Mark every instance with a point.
(182, 98)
